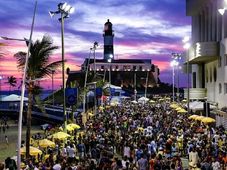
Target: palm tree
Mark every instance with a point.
(39, 66)
(12, 81)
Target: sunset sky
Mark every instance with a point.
(149, 29)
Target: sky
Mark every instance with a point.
(148, 29)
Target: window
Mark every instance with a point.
(220, 88)
(215, 74)
(225, 85)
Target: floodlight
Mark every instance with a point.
(221, 11)
(186, 39)
(187, 45)
(67, 8)
(72, 10)
(64, 5)
(109, 60)
(111, 55)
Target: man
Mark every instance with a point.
(193, 158)
(142, 163)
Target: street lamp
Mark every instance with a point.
(173, 63)
(23, 87)
(187, 46)
(1, 77)
(64, 9)
(177, 57)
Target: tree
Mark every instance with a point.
(39, 66)
(12, 81)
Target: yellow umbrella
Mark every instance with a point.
(69, 128)
(33, 151)
(140, 128)
(151, 101)
(101, 107)
(174, 105)
(178, 108)
(184, 100)
(199, 117)
(182, 111)
(74, 125)
(192, 116)
(208, 120)
(160, 99)
(90, 114)
(60, 135)
(44, 143)
(168, 98)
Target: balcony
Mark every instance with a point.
(203, 52)
(195, 93)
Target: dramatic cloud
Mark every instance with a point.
(143, 29)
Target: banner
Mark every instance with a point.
(71, 96)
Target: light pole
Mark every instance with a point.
(146, 84)
(85, 80)
(23, 88)
(177, 57)
(109, 61)
(1, 77)
(173, 64)
(135, 91)
(187, 46)
(64, 10)
(52, 77)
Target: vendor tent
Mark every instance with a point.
(13, 98)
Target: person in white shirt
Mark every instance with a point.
(126, 151)
(193, 158)
(57, 166)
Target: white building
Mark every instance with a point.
(208, 53)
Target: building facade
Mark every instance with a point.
(208, 53)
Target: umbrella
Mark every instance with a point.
(168, 98)
(192, 116)
(44, 143)
(33, 151)
(74, 125)
(182, 111)
(178, 108)
(199, 117)
(208, 120)
(174, 105)
(184, 100)
(151, 101)
(90, 114)
(134, 101)
(60, 135)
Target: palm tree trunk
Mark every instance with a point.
(29, 112)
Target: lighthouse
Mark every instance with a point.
(108, 41)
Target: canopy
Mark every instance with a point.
(199, 117)
(143, 99)
(197, 105)
(60, 135)
(111, 86)
(33, 151)
(44, 143)
(13, 98)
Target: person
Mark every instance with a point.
(10, 164)
(6, 139)
(215, 164)
(142, 163)
(57, 165)
(193, 158)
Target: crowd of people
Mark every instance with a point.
(137, 136)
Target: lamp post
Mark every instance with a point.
(1, 77)
(187, 46)
(173, 64)
(64, 10)
(23, 87)
(52, 77)
(145, 95)
(177, 57)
